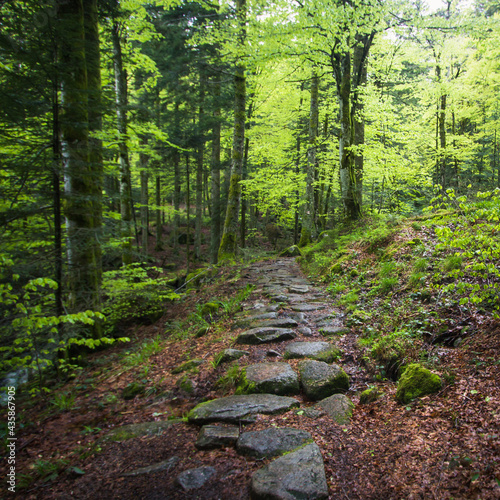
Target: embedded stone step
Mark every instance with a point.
(298, 289)
(277, 323)
(331, 330)
(320, 351)
(308, 307)
(193, 479)
(271, 442)
(299, 474)
(272, 378)
(231, 355)
(264, 335)
(241, 408)
(216, 436)
(320, 380)
(338, 407)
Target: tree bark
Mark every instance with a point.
(79, 185)
(144, 205)
(228, 246)
(199, 175)
(308, 225)
(121, 121)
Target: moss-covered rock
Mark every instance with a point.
(209, 308)
(132, 390)
(415, 382)
(188, 365)
(370, 395)
(293, 251)
(186, 384)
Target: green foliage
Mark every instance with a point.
(64, 401)
(420, 265)
(146, 350)
(386, 285)
(475, 245)
(135, 292)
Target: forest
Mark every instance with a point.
(168, 166)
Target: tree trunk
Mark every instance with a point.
(199, 175)
(308, 225)
(159, 227)
(144, 205)
(79, 185)
(121, 121)
(358, 118)
(188, 209)
(228, 246)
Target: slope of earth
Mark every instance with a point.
(444, 445)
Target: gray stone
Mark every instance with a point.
(271, 442)
(272, 353)
(278, 323)
(306, 331)
(233, 409)
(193, 479)
(158, 467)
(333, 330)
(264, 335)
(297, 316)
(130, 431)
(231, 355)
(338, 407)
(272, 378)
(280, 298)
(320, 380)
(321, 351)
(308, 307)
(298, 289)
(216, 436)
(297, 475)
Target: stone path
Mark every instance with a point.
(287, 345)
(296, 322)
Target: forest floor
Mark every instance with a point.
(442, 446)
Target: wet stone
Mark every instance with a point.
(322, 351)
(296, 475)
(271, 442)
(280, 298)
(216, 436)
(278, 323)
(308, 307)
(299, 317)
(298, 289)
(233, 409)
(320, 380)
(231, 355)
(306, 331)
(192, 479)
(273, 378)
(263, 335)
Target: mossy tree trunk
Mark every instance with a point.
(199, 174)
(121, 121)
(79, 209)
(308, 225)
(144, 204)
(229, 241)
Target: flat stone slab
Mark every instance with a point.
(280, 298)
(231, 355)
(273, 378)
(297, 475)
(233, 409)
(320, 380)
(321, 351)
(192, 479)
(216, 436)
(299, 317)
(158, 467)
(277, 323)
(263, 335)
(306, 331)
(271, 442)
(298, 289)
(333, 330)
(338, 407)
(308, 307)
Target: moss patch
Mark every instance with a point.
(415, 382)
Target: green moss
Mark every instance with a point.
(416, 382)
(186, 384)
(209, 308)
(370, 395)
(188, 365)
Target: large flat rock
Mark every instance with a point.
(271, 442)
(276, 323)
(338, 407)
(320, 380)
(273, 378)
(264, 335)
(321, 351)
(308, 307)
(243, 408)
(297, 475)
(216, 436)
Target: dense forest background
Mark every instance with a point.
(184, 134)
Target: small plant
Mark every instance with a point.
(87, 429)
(350, 298)
(217, 360)
(387, 284)
(387, 269)
(416, 226)
(64, 401)
(47, 470)
(417, 279)
(234, 378)
(451, 263)
(233, 304)
(420, 265)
